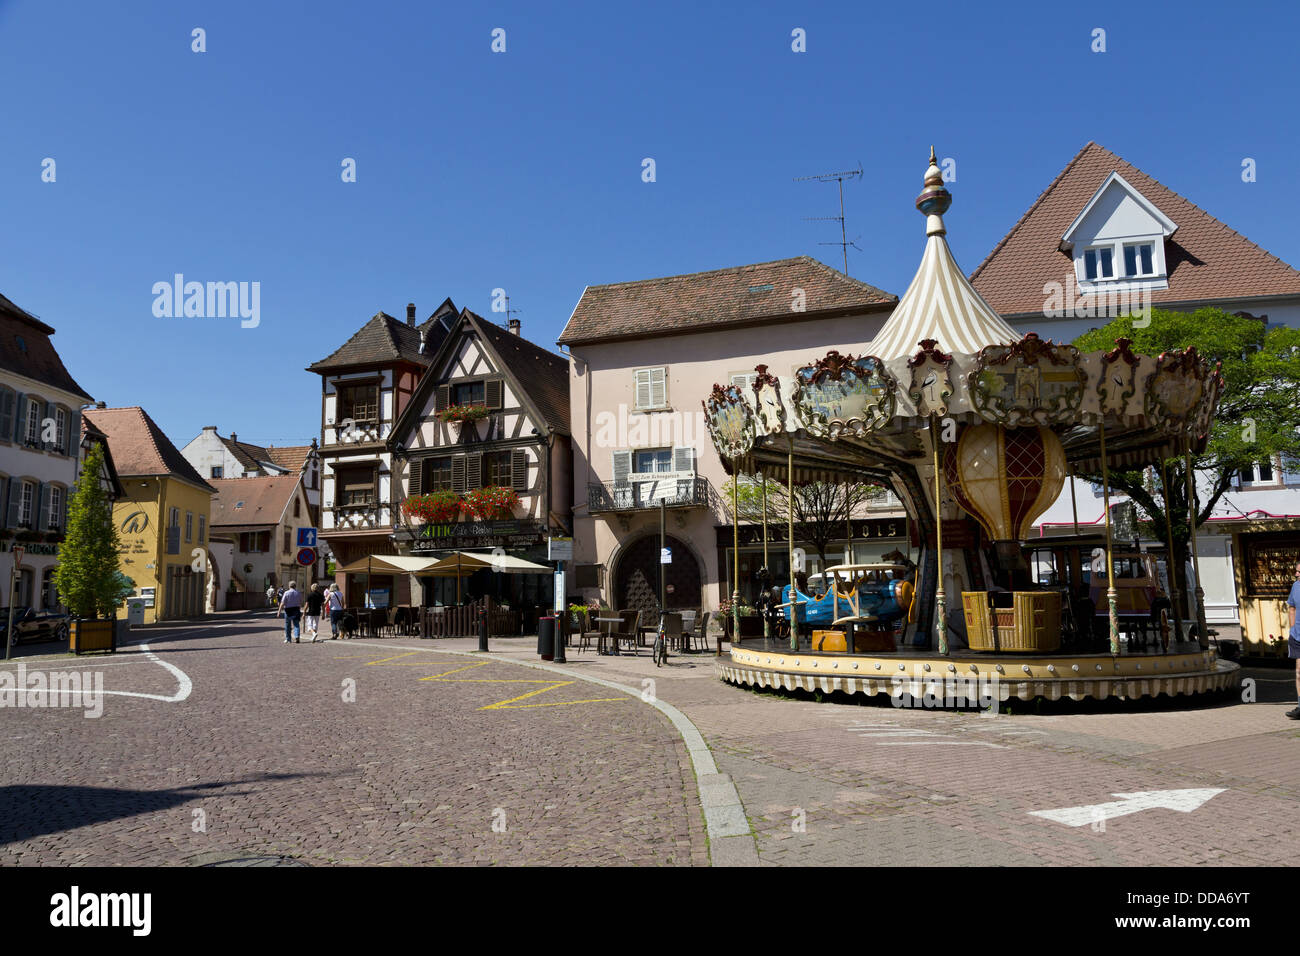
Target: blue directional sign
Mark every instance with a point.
(306, 537)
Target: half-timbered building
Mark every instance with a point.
(365, 386)
(485, 437)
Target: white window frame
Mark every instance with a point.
(1137, 259)
(742, 380)
(203, 527)
(33, 421)
(637, 452)
(189, 527)
(647, 375)
(1275, 481)
(60, 428)
(1098, 249)
(56, 507)
(173, 517)
(26, 505)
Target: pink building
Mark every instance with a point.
(642, 355)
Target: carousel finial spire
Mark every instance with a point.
(934, 199)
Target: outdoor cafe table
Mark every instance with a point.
(609, 620)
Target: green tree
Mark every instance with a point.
(1258, 418)
(88, 577)
(821, 508)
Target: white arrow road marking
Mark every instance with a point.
(1184, 801)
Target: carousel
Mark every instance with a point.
(975, 427)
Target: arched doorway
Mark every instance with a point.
(636, 582)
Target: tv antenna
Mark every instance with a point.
(510, 311)
(839, 178)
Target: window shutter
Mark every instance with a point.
(41, 499)
(684, 459)
(643, 389)
(658, 387)
(492, 393)
(4, 500)
(6, 411)
(415, 477)
(519, 470)
(74, 433)
(622, 466)
(458, 474)
(20, 417)
(443, 398)
(15, 500)
(474, 471)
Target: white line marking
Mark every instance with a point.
(183, 691)
(952, 743)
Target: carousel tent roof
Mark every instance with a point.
(940, 304)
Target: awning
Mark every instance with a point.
(461, 562)
(388, 564)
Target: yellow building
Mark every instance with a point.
(162, 519)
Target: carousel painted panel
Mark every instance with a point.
(730, 420)
(841, 394)
(1032, 382)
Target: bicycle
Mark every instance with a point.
(660, 651)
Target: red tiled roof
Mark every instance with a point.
(251, 501)
(1206, 260)
(739, 296)
(139, 447)
(25, 348)
(291, 457)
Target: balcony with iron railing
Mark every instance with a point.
(639, 494)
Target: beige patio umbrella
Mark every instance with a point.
(459, 562)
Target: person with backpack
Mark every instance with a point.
(334, 604)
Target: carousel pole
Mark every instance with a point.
(1074, 501)
(940, 599)
(1111, 595)
(789, 519)
(1202, 633)
(735, 550)
(767, 621)
(1174, 593)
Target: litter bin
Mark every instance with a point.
(546, 638)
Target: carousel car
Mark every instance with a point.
(33, 625)
(875, 593)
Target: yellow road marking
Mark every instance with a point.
(398, 661)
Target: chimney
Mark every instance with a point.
(513, 326)
(410, 314)
(101, 404)
(234, 437)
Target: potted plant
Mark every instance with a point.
(492, 503)
(463, 413)
(88, 577)
(437, 507)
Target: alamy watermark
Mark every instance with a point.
(953, 691)
(1065, 300)
(84, 689)
(213, 300)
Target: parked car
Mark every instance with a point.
(33, 625)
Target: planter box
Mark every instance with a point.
(92, 636)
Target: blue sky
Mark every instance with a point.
(522, 170)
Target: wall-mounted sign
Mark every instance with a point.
(135, 523)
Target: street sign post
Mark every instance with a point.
(18, 552)
(306, 557)
(306, 537)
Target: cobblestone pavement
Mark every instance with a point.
(439, 759)
(284, 771)
(874, 784)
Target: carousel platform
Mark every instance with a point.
(1185, 669)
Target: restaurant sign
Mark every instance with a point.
(475, 534)
(30, 547)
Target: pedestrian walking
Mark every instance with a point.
(334, 604)
(291, 607)
(271, 597)
(1293, 639)
(311, 618)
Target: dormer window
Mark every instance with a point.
(1119, 237)
(1139, 259)
(1098, 263)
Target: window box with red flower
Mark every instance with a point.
(437, 507)
(463, 413)
(492, 503)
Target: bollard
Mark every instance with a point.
(483, 630)
(561, 637)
